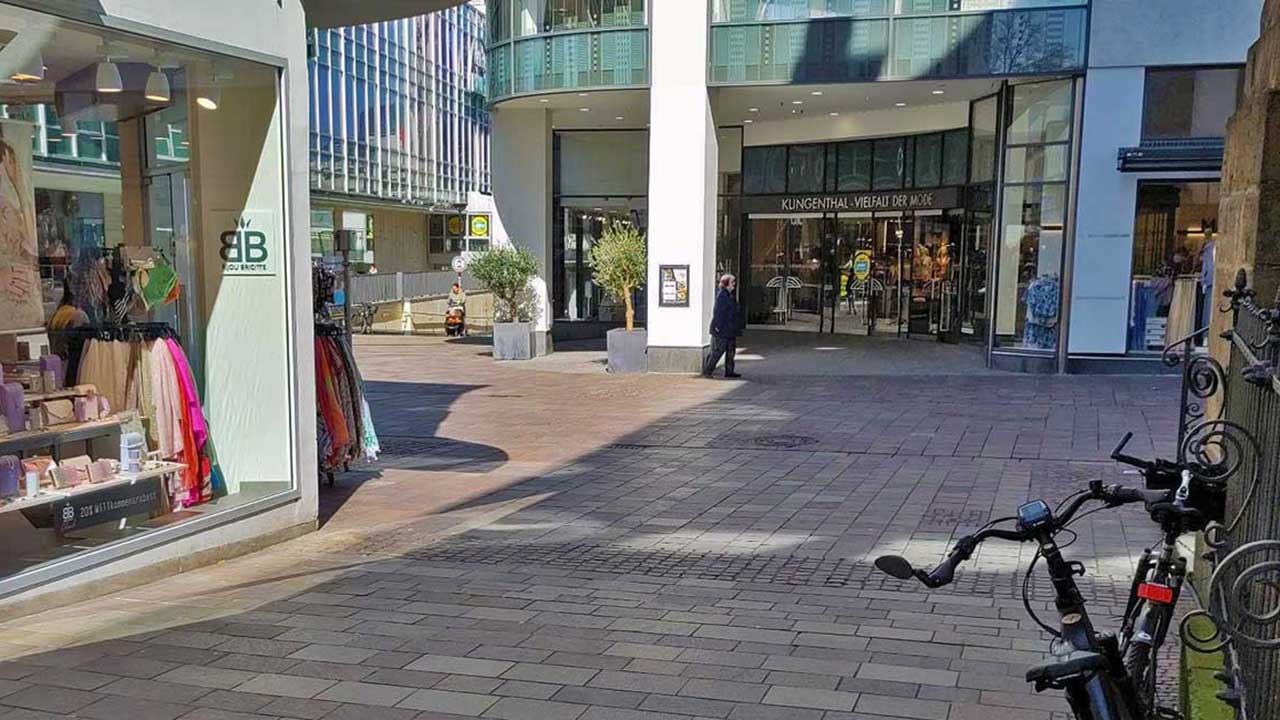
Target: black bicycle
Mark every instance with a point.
(1104, 676)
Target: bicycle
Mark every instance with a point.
(364, 315)
(1104, 676)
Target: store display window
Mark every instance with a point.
(144, 343)
(1174, 239)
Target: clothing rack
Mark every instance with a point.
(330, 330)
(127, 332)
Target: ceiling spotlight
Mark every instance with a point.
(544, 100)
(753, 109)
(834, 114)
(939, 91)
(158, 90)
(817, 93)
(209, 99)
(584, 109)
(582, 94)
(899, 104)
(747, 121)
(797, 102)
(107, 78)
(619, 118)
(30, 71)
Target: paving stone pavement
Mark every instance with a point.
(541, 544)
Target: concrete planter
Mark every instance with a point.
(628, 351)
(512, 341)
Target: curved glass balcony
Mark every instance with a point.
(543, 46)
(780, 41)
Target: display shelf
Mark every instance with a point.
(51, 495)
(46, 397)
(18, 443)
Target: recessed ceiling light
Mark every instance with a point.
(753, 109)
(544, 100)
(747, 122)
(939, 92)
(899, 104)
(584, 109)
(582, 94)
(817, 93)
(619, 118)
(834, 114)
(797, 102)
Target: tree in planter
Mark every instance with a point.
(620, 262)
(506, 272)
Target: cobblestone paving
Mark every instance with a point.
(708, 559)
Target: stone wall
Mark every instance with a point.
(1250, 211)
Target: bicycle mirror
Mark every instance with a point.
(895, 566)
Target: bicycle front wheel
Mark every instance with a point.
(1140, 664)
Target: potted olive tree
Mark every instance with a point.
(619, 263)
(506, 272)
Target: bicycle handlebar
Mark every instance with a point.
(944, 573)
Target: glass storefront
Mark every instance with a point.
(142, 238)
(1171, 294)
(1037, 145)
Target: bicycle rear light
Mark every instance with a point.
(1156, 593)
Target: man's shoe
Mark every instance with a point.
(730, 376)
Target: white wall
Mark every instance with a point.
(872, 123)
(604, 163)
(1171, 32)
(682, 172)
(1127, 36)
(522, 186)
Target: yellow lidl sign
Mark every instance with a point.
(479, 226)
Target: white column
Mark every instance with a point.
(522, 195)
(683, 162)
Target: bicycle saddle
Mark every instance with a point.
(1078, 663)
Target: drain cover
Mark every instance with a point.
(785, 442)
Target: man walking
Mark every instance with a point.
(726, 326)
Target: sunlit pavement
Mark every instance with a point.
(543, 540)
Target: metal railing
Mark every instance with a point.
(390, 287)
(1230, 432)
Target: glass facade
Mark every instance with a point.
(1038, 139)
(550, 45)
(762, 41)
(134, 296)
(398, 109)
(918, 161)
(1171, 291)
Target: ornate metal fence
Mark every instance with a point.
(1230, 433)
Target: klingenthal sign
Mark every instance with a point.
(939, 199)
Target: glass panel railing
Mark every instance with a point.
(738, 11)
(572, 61)
(1021, 42)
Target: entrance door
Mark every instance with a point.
(784, 285)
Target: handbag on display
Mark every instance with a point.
(101, 471)
(86, 408)
(58, 412)
(10, 476)
(72, 472)
(13, 406)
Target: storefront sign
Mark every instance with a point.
(675, 285)
(455, 225)
(862, 265)
(95, 507)
(246, 247)
(895, 200)
(480, 226)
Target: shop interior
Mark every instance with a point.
(106, 296)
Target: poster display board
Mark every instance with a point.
(675, 285)
(21, 303)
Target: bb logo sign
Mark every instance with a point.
(246, 249)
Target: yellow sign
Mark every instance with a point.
(479, 226)
(862, 265)
(455, 225)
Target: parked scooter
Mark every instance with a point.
(455, 314)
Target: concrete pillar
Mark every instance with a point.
(1249, 214)
(522, 186)
(683, 162)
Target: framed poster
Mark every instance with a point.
(21, 301)
(674, 280)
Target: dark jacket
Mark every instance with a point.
(726, 319)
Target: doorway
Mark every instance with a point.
(869, 274)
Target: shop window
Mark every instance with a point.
(1029, 292)
(580, 223)
(435, 234)
(890, 161)
(805, 168)
(854, 163)
(138, 293)
(765, 170)
(928, 160)
(1189, 102)
(955, 157)
(1172, 292)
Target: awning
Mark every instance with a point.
(1184, 155)
(337, 13)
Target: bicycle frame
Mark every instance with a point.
(1107, 695)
